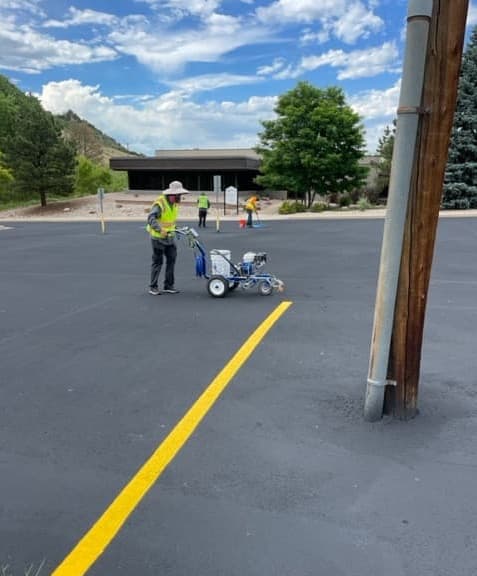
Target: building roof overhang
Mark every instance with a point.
(193, 160)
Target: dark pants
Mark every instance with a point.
(202, 216)
(249, 218)
(159, 250)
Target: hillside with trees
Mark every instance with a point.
(89, 141)
(43, 156)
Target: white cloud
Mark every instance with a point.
(348, 20)
(355, 64)
(378, 108)
(26, 50)
(168, 121)
(173, 120)
(204, 82)
(357, 22)
(472, 15)
(372, 104)
(31, 6)
(198, 7)
(277, 65)
(81, 18)
(168, 52)
(309, 37)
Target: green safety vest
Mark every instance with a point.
(167, 220)
(203, 201)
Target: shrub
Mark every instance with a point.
(319, 207)
(363, 204)
(344, 200)
(291, 207)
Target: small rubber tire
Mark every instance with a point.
(233, 284)
(265, 288)
(217, 286)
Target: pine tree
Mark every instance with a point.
(385, 152)
(460, 184)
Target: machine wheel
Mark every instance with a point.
(217, 286)
(265, 288)
(233, 284)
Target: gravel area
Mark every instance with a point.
(124, 206)
(121, 206)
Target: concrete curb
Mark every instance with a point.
(331, 215)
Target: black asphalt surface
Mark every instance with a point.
(283, 477)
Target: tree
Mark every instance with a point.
(6, 175)
(90, 176)
(460, 183)
(41, 161)
(314, 144)
(385, 152)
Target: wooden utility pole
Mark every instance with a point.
(446, 40)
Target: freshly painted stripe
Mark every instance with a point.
(95, 541)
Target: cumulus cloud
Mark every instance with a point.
(174, 120)
(171, 120)
(378, 108)
(26, 50)
(81, 18)
(355, 64)
(348, 20)
(372, 104)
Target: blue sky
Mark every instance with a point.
(167, 74)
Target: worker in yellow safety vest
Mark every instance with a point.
(203, 204)
(161, 225)
(251, 206)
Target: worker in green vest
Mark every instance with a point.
(161, 225)
(203, 205)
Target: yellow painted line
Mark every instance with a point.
(99, 536)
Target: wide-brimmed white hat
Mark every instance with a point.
(175, 188)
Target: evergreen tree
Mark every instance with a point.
(460, 183)
(314, 146)
(40, 160)
(385, 152)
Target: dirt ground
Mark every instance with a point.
(121, 206)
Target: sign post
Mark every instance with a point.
(100, 209)
(217, 188)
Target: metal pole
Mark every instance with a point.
(419, 16)
(217, 187)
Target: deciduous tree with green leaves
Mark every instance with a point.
(6, 175)
(90, 176)
(460, 183)
(313, 146)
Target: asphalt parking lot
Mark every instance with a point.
(282, 476)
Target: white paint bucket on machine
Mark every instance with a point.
(218, 263)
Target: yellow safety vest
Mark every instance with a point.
(203, 201)
(167, 220)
